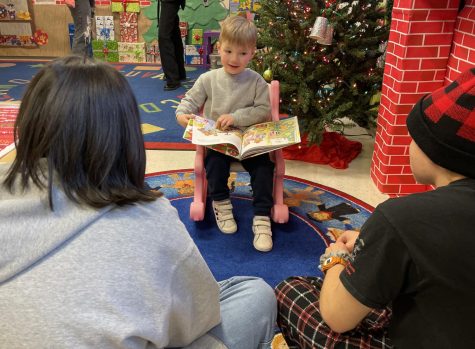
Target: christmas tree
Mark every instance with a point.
(328, 57)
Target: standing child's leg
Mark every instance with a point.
(217, 173)
(261, 169)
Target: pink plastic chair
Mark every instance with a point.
(280, 211)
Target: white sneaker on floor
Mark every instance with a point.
(223, 212)
(262, 233)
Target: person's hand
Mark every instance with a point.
(348, 238)
(224, 122)
(183, 119)
(337, 247)
(70, 3)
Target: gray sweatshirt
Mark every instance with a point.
(245, 96)
(118, 277)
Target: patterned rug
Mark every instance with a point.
(157, 107)
(318, 215)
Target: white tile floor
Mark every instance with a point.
(355, 180)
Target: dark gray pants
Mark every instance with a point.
(82, 25)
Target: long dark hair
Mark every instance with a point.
(83, 118)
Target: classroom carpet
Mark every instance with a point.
(318, 215)
(156, 106)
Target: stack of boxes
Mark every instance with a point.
(106, 48)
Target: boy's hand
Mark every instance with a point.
(348, 238)
(183, 119)
(337, 247)
(224, 122)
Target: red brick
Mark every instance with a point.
(403, 86)
(452, 74)
(403, 3)
(453, 3)
(445, 14)
(444, 52)
(407, 169)
(400, 179)
(468, 40)
(426, 27)
(434, 63)
(390, 58)
(465, 25)
(397, 73)
(416, 188)
(387, 188)
(422, 52)
(410, 98)
(440, 74)
(415, 15)
(386, 137)
(402, 109)
(409, 64)
(460, 51)
(393, 150)
(402, 140)
(471, 56)
(399, 160)
(402, 26)
(463, 65)
(399, 50)
(419, 75)
(379, 175)
(397, 130)
(389, 81)
(392, 96)
(438, 39)
(449, 27)
(428, 87)
(411, 39)
(394, 36)
(442, 4)
(386, 169)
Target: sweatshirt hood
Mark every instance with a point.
(30, 232)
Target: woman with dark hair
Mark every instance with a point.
(90, 257)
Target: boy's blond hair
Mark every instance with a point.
(238, 30)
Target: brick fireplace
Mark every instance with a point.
(431, 42)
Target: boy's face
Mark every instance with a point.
(234, 57)
(421, 166)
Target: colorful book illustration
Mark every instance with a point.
(241, 144)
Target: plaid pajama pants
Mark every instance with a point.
(302, 325)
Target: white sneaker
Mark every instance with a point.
(262, 233)
(223, 212)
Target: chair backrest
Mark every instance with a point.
(274, 95)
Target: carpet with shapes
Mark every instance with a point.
(157, 107)
(318, 215)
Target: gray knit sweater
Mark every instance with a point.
(245, 96)
(119, 277)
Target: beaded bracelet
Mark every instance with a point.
(330, 259)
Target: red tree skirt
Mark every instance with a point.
(335, 150)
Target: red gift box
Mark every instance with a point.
(128, 27)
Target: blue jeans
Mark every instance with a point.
(248, 316)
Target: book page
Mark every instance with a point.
(205, 133)
(265, 137)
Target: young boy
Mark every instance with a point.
(234, 96)
(414, 256)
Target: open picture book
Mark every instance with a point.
(241, 144)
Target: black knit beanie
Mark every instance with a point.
(443, 125)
